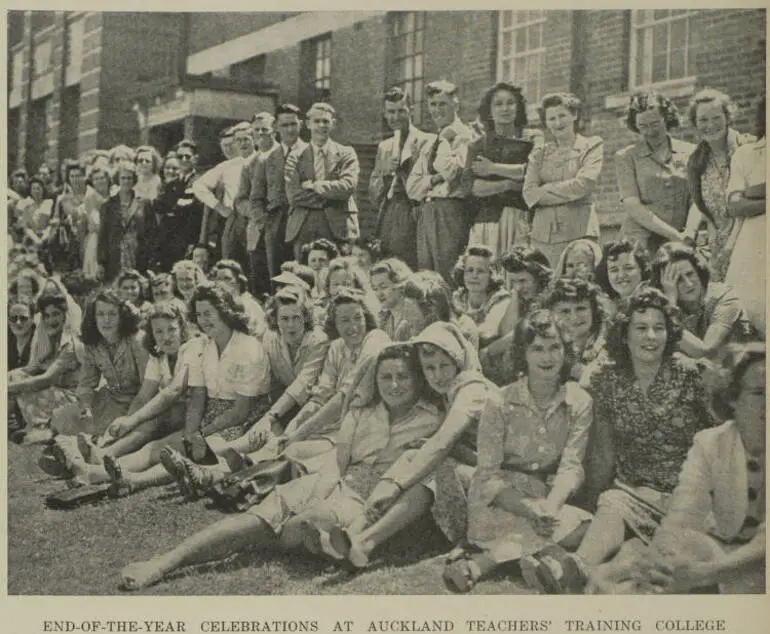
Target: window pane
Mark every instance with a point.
(507, 70)
(659, 68)
(520, 44)
(398, 47)
(507, 18)
(408, 73)
(419, 21)
(507, 43)
(520, 69)
(641, 55)
(319, 68)
(534, 36)
(659, 39)
(659, 14)
(678, 67)
(328, 67)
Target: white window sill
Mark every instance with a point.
(673, 89)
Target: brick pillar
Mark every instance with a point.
(53, 104)
(90, 82)
(26, 80)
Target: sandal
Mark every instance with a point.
(88, 449)
(461, 575)
(173, 463)
(119, 487)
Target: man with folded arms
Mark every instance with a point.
(321, 179)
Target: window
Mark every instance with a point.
(17, 69)
(42, 59)
(322, 76)
(521, 51)
(408, 41)
(661, 46)
(73, 50)
(42, 20)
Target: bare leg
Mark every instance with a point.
(153, 477)
(149, 455)
(604, 537)
(135, 440)
(409, 507)
(231, 535)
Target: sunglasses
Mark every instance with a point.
(18, 319)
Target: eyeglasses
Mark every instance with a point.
(262, 131)
(18, 319)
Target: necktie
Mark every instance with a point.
(319, 164)
(432, 156)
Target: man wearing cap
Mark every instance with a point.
(320, 183)
(397, 215)
(225, 178)
(443, 220)
(262, 194)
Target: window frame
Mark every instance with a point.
(635, 27)
(526, 54)
(413, 85)
(323, 81)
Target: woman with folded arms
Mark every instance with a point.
(561, 176)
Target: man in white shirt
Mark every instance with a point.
(320, 183)
(445, 217)
(397, 215)
(226, 177)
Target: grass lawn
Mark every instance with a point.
(81, 552)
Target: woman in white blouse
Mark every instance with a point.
(746, 202)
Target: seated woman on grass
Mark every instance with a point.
(227, 375)
(230, 274)
(343, 272)
(438, 473)
(714, 531)
(531, 444)
(624, 266)
(386, 278)
(649, 402)
(49, 379)
(167, 340)
(374, 434)
(351, 327)
(131, 285)
(114, 361)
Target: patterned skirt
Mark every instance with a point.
(641, 508)
(215, 407)
(37, 407)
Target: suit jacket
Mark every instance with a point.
(111, 231)
(382, 183)
(712, 490)
(334, 196)
(262, 192)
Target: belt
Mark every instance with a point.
(430, 199)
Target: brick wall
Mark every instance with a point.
(210, 29)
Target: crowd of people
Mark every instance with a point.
(593, 414)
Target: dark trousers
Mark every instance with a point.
(442, 234)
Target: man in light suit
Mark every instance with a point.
(444, 218)
(262, 194)
(320, 182)
(397, 217)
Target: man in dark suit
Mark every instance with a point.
(262, 195)
(320, 183)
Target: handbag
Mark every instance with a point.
(240, 491)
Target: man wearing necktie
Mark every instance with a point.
(444, 218)
(262, 195)
(397, 217)
(321, 179)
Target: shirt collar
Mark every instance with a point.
(519, 394)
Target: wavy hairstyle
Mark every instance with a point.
(649, 100)
(538, 323)
(164, 310)
(481, 251)
(532, 261)
(396, 270)
(129, 317)
(321, 244)
(612, 251)
(236, 269)
(431, 293)
(230, 308)
(356, 275)
(289, 296)
(737, 361)
(672, 252)
(641, 300)
(347, 296)
(485, 106)
(566, 99)
(709, 95)
(51, 298)
(407, 352)
(133, 274)
(565, 289)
